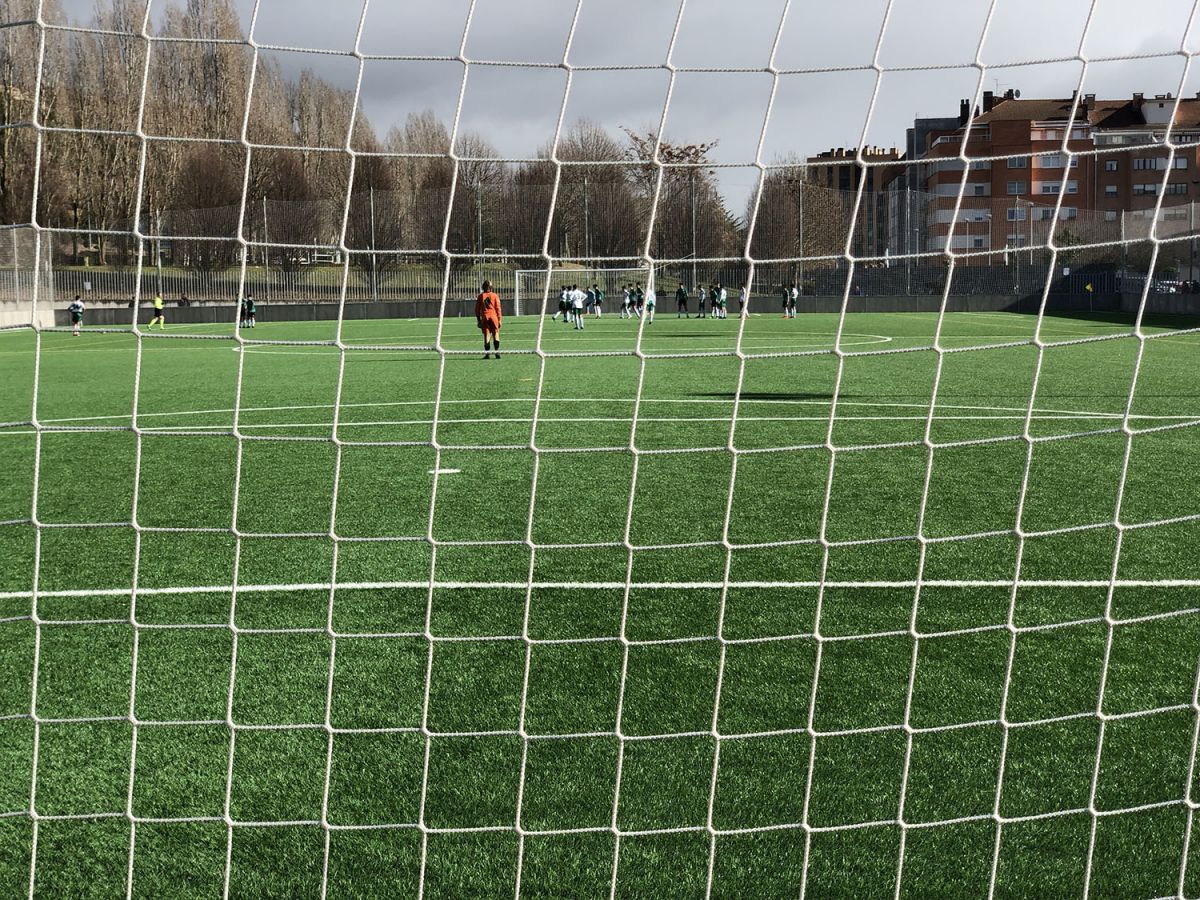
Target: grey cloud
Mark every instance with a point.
(517, 108)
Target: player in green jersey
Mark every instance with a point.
(76, 311)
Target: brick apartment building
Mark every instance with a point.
(1116, 161)
(838, 170)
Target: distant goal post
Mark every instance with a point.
(536, 290)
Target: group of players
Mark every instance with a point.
(575, 302)
(247, 312)
(716, 298)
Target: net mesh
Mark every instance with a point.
(823, 583)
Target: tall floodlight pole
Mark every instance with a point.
(374, 271)
(797, 181)
(692, 180)
(908, 227)
(1030, 202)
(1192, 232)
(479, 217)
(158, 250)
(800, 231)
(266, 253)
(587, 225)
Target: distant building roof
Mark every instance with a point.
(851, 153)
(1124, 113)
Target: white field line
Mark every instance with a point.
(1181, 341)
(422, 338)
(661, 420)
(604, 586)
(383, 404)
(750, 345)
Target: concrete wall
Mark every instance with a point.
(933, 303)
(283, 312)
(1163, 304)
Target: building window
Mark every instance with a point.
(1110, 190)
(1142, 190)
(1051, 187)
(1018, 162)
(977, 243)
(1070, 212)
(1110, 165)
(980, 189)
(1072, 187)
(1045, 214)
(1110, 215)
(1016, 214)
(1016, 240)
(1050, 135)
(1079, 132)
(1176, 190)
(1181, 162)
(1058, 161)
(1015, 188)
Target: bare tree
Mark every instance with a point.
(209, 186)
(597, 214)
(692, 221)
(798, 218)
(477, 195)
(422, 176)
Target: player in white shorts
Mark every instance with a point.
(578, 301)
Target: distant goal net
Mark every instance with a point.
(536, 291)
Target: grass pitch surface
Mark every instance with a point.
(385, 683)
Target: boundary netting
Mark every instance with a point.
(821, 583)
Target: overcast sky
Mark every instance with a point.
(517, 107)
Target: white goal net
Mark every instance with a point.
(898, 597)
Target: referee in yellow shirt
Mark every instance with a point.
(158, 314)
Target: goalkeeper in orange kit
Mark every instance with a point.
(488, 316)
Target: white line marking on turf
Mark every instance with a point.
(444, 471)
(602, 585)
(661, 420)
(383, 404)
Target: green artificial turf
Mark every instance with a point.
(790, 698)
